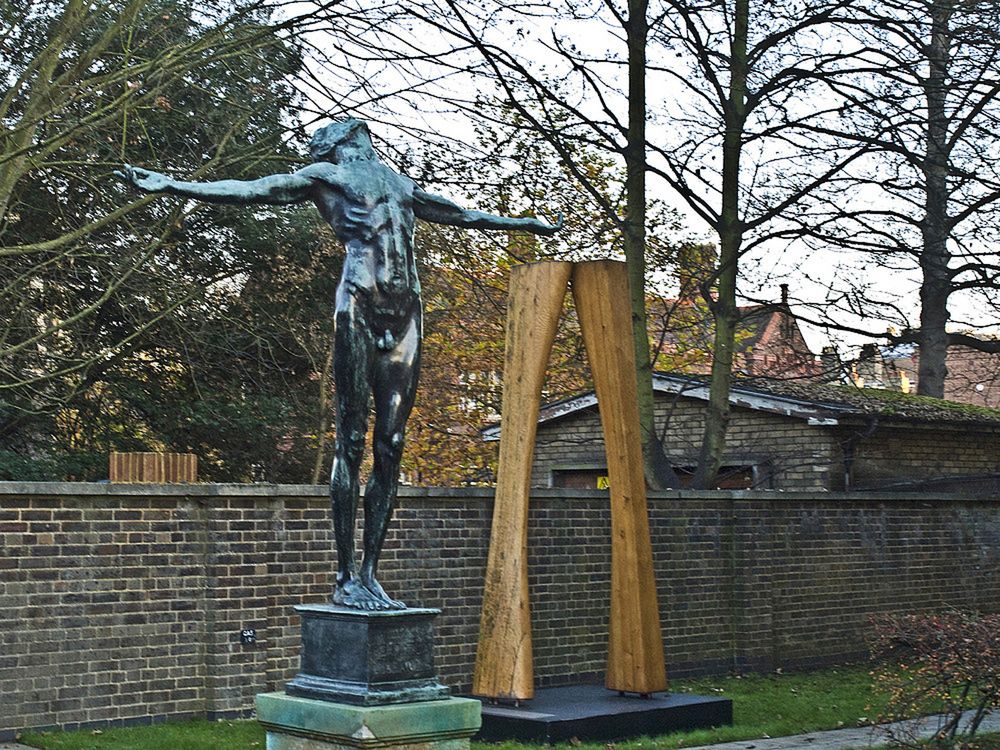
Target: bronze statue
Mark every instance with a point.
(371, 209)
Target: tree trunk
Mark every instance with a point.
(323, 417)
(658, 471)
(15, 146)
(730, 231)
(935, 285)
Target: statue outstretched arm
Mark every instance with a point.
(276, 189)
(440, 210)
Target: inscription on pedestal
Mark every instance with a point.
(367, 658)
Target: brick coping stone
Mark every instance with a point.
(105, 489)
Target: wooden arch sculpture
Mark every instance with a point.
(504, 667)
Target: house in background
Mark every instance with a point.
(769, 342)
(973, 376)
(790, 435)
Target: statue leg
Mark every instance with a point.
(353, 356)
(394, 385)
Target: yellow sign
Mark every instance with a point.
(602, 483)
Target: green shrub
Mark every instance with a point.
(68, 467)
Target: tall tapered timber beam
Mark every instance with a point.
(635, 644)
(504, 666)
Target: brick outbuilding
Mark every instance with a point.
(790, 435)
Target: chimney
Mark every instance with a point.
(871, 365)
(859, 382)
(830, 366)
(787, 323)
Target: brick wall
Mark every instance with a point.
(893, 455)
(801, 456)
(123, 604)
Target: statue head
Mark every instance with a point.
(346, 140)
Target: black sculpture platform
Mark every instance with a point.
(367, 658)
(591, 712)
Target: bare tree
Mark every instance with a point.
(924, 99)
(469, 44)
(733, 108)
(750, 74)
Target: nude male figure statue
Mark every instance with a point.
(371, 209)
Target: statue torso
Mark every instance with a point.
(370, 208)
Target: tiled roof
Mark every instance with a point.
(825, 403)
(819, 403)
(688, 323)
(888, 404)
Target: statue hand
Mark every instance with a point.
(549, 229)
(145, 179)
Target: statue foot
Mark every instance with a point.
(376, 590)
(352, 593)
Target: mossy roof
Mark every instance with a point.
(875, 402)
(802, 399)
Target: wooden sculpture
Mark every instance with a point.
(635, 648)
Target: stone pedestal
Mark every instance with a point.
(304, 724)
(367, 658)
(367, 680)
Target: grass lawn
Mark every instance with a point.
(989, 741)
(187, 735)
(763, 706)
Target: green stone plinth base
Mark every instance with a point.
(306, 724)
